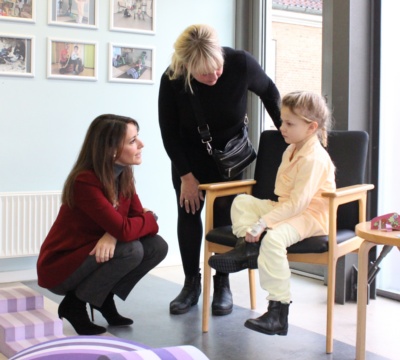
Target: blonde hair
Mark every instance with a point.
(310, 107)
(197, 51)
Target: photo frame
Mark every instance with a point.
(72, 59)
(133, 16)
(74, 13)
(18, 10)
(131, 64)
(17, 54)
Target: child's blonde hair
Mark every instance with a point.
(197, 51)
(310, 107)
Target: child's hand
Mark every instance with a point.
(253, 233)
(252, 239)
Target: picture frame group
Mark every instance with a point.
(17, 55)
(71, 59)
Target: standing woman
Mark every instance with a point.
(103, 241)
(221, 78)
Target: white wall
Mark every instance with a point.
(389, 170)
(43, 121)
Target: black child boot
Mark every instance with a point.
(110, 313)
(273, 322)
(222, 303)
(74, 310)
(188, 296)
(243, 256)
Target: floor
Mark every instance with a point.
(228, 339)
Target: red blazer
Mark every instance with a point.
(76, 231)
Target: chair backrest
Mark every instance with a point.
(348, 150)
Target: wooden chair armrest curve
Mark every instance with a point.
(348, 190)
(227, 185)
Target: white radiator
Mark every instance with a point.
(25, 220)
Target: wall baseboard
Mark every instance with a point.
(18, 276)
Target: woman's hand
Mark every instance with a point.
(145, 210)
(104, 249)
(190, 194)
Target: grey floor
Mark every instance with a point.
(227, 338)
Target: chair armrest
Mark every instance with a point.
(215, 190)
(348, 190)
(342, 196)
(227, 185)
(348, 194)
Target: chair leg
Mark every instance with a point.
(330, 305)
(206, 291)
(252, 288)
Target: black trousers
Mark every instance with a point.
(93, 281)
(190, 226)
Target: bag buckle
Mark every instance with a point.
(208, 146)
(205, 135)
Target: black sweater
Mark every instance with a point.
(224, 106)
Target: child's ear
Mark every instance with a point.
(313, 126)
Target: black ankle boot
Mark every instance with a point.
(243, 256)
(74, 310)
(222, 303)
(273, 322)
(110, 313)
(188, 296)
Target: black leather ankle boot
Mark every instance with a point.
(243, 256)
(110, 313)
(222, 303)
(74, 310)
(188, 296)
(273, 322)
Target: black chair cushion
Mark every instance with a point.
(317, 244)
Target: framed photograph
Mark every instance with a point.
(17, 55)
(72, 59)
(17, 10)
(133, 16)
(131, 64)
(75, 13)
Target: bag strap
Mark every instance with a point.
(202, 126)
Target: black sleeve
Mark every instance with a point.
(169, 121)
(262, 85)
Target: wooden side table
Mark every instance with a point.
(371, 239)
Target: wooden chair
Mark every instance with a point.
(347, 207)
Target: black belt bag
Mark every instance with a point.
(238, 152)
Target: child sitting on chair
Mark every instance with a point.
(305, 172)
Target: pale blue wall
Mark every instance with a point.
(43, 121)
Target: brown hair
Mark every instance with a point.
(102, 145)
(310, 107)
(197, 50)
